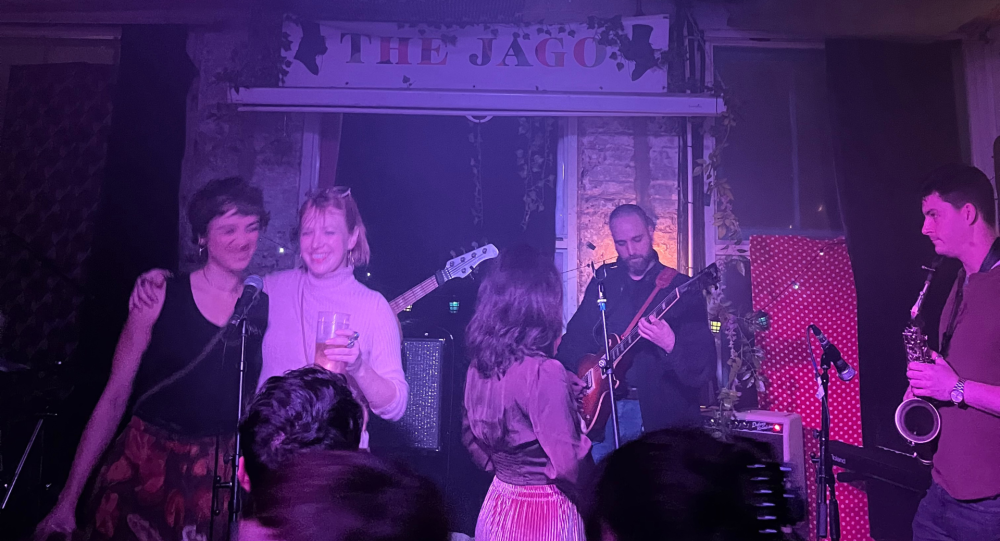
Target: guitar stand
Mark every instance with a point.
(607, 367)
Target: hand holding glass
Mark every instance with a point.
(327, 325)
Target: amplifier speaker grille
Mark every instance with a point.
(420, 427)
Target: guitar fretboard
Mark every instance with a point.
(633, 336)
(418, 292)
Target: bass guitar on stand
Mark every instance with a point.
(459, 267)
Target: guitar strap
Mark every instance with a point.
(666, 276)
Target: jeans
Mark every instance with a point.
(943, 518)
(630, 428)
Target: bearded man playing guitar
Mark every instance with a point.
(676, 356)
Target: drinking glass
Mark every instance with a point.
(327, 325)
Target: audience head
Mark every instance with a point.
(518, 311)
(307, 408)
(683, 485)
(227, 216)
(349, 496)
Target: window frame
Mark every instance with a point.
(714, 246)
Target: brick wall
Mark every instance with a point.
(265, 148)
(625, 160)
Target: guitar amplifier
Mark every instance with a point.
(421, 425)
(781, 432)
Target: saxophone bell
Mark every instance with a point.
(918, 421)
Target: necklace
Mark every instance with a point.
(213, 286)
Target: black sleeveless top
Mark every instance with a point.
(203, 401)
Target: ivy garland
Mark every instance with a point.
(476, 138)
(259, 61)
(745, 357)
(535, 162)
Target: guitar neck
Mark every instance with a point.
(413, 295)
(709, 273)
(632, 337)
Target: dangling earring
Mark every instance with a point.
(201, 251)
(350, 259)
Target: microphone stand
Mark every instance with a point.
(608, 367)
(233, 484)
(827, 513)
(24, 458)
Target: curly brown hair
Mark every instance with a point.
(518, 312)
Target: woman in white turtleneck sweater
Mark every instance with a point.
(331, 241)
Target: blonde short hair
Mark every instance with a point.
(339, 197)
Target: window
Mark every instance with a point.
(566, 226)
(780, 160)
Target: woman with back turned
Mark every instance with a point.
(521, 420)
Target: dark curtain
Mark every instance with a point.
(136, 221)
(138, 210)
(413, 179)
(895, 118)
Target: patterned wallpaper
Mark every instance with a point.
(52, 154)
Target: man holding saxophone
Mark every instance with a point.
(964, 500)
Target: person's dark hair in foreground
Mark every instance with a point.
(306, 408)
(349, 496)
(685, 485)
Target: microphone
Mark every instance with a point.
(844, 370)
(251, 290)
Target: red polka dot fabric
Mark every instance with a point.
(801, 281)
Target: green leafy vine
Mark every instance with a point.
(476, 138)
(536, 162)
(745, 357)
(259, 61)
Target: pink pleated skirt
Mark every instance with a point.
(528, 513)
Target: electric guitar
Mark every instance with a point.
(596, 406)
(459, 267)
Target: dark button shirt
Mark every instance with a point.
(669, 384)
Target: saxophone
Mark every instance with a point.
(917, 419)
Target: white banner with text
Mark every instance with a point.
(599, 56)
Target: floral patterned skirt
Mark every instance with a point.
(155, 485)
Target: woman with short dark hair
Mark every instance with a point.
(178, 369)
(521, 415)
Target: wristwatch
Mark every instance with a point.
(958, 393)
